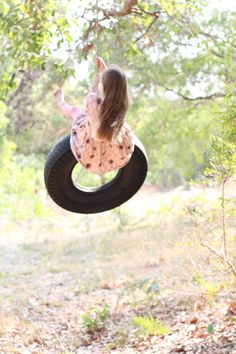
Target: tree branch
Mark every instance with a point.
(223, 259)
(147, 29)
(125, 10)
(209, 97)
(217, 54)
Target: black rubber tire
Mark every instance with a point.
(57, 176)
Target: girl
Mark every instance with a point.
(100, 139)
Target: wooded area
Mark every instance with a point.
(180, 61)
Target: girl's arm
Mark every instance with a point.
(66, 109)
(101, 66)
(94, 86)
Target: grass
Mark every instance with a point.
(52, 276)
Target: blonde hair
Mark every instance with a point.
(115, 103)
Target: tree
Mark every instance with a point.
(177, 61)
(27, 31)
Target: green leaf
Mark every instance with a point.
(210, 328)
(68, 37)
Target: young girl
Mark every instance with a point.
(100, 139)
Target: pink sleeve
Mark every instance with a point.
(92, 107)
(69, 111)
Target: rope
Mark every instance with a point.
(97, 32)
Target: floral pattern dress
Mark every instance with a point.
(95, 154)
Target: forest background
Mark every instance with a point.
(180, 60)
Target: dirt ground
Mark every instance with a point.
(101, 284)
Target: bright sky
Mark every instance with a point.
(223, 5)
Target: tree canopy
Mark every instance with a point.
(179, 59)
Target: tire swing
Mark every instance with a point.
(69, 195)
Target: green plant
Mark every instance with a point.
(210, 329)
(119, 340)
(222, 168)
(210, 289)
(143, 290)
(95, 320)
(122, 217)
(149, 326)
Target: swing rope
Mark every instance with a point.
(97, 32)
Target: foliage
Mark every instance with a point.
(6, 147)
(149, 326)
(28, 30)
(210, 289)
(83, 177)
(165, 127)
(177, 59)
(223, 167)
(223, 156)
(143, 290)
(20, 180)
(176, 63)
(95, 320)
(22, 187)
(210, 328)
(119, 340)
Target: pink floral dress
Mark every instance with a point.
(96, 155)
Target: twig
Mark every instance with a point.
(209, 97)
(223, 214)
(223, 259)
(129, 7)
(124, 11)
(147, 29)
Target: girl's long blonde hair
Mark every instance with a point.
(114, 104)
